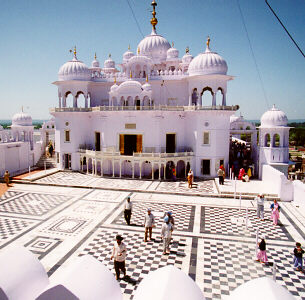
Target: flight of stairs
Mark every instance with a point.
(49, 161)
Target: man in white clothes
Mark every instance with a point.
(166, 233)
(119, 255)
(149, 223)
(260, 200)
(127, 210)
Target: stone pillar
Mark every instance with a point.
(86, 101)
(120, 169)
(93, 164)
(140, 165)
(59, 101)
(164, 171)
(112, 168)
(64, 101)
(87, 163)
(159, 172)
(190, 99)
(214, 99)
(132, 168)
(74, 101)
(152, 171)
(224, 99)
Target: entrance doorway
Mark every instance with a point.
(170, 143)
(130, 143)
(67, 161)
(138, 104)
(97, 141)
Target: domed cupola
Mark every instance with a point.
(127, 55)
(154, 45)
(74, 70)
(187, 57)
(172, 54)
(114, 87)
(274, 118)
(208, 63)
(146, 86)
(109, 63)
(95, 63)
(22, 119)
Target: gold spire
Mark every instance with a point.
(187, 50)
(130, 74)
(138, 51)
(208, 42)
(146, 78)
(154, 20)
(95, 55)
(128, 47)
(74, 52)
(114, 79)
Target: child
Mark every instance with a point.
(261, 253)
(275, 212)
(298, 256)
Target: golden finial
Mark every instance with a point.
(95, 55)
(114, 79)
(187, 50)
(154, 20)
(130, 74)
(146, 78)
(208, 42)
(138, 51)
(128, 47)
(74, 52)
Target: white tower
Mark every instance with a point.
(274, 140)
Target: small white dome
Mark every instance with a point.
(154, 46)
(95, 63)
(172, 54)
(146, 87)
(187, 58)
(22, 119)
(127, 55)
(109, 63)
(208, 63)
(74, 70)
(114, 88)
(274, 118)
(130, 86)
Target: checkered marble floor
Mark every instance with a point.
(210, 243)
(67, 178)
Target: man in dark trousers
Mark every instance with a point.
(119, 255)
(127, 210)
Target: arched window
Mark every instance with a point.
(207, 96)
(267, 140)
(219, 96)
(69, 99)
(276, 140)
(80, 99)
(122, 102)
(146, 101)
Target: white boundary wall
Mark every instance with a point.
(299, 193)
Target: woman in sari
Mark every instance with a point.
(275, 213)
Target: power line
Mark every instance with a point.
(253, 56)
(285, 29)
(134, 16)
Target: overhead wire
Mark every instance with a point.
(285, 29)
(253, 56)
(135, 18)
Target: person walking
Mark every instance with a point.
(260, 201)
(275, 213)
(127, 210)
(190, 177)
(119, 253)
(6, 177)
(261, 253)
(298, 257)
(149, 223)
(166, 233)
(51, 149)
(220, 176)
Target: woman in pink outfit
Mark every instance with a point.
(261, 252)
(275, 213)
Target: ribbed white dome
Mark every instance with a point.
(273, 118)
(146, 87)
(172, 54)
(74, 70)
(109, 63)
(131, 86)
(114, 88)
(187, 58)
(95, 63)
(127, 56)
(208, 63)
(22, 119)
(154, 46)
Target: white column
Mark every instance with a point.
(120, 169)
(87, 164)
(224, 99)
(74, 101)
(64, 101)
(159, 172)
(190, 99)
(93, 163)
(214, 99)
(165, 171)
(59, 101)
(86, 101)
(140, 164)
(152, 170)
(112, 168)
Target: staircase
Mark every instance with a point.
(50, 162)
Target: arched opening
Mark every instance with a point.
(180, 169)
(267, 140)
(146, 169)
(89, 165)
(169, 169)
(122, 101)
(98, 167)
(146, 101)
(69, 99)
(80, 99)
(194, 97)
(276, 140)
(219, 96)
(137, 71)
(128, 102)
(137, 103)
(116, 166)
(114, 101)
(126, 168)
(107, 167)
(207, 96)
(136, 171)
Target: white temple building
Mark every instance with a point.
(150, 116)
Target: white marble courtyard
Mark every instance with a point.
(211, 242)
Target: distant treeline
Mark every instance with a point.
(297, 134)
(36, 125)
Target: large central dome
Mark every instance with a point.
(154, 46)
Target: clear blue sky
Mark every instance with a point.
(36, 36)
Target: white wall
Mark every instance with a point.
(299, 193)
